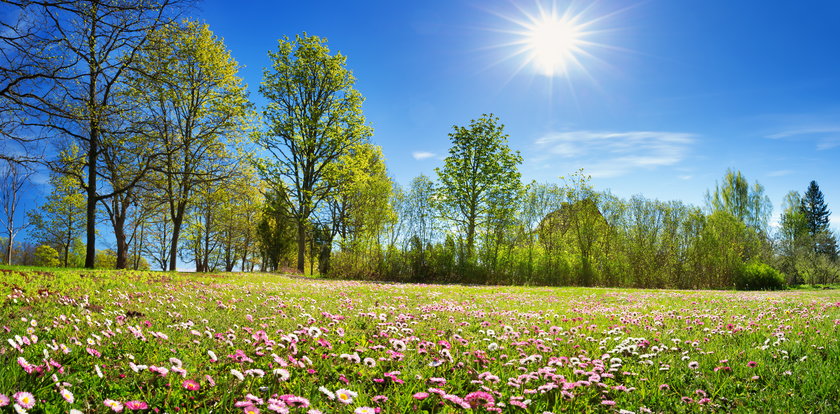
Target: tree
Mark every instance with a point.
(817, 219)
(46, 256)
(60, 220)
(187, 83)
(81, 55)
(314, 118)
(12, 180)
(275, 228)
(479, 168)
(735, 196)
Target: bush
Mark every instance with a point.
(759, 276)
(46, 256)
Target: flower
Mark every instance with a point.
(67, 395)
(25, 399)
(345, 396)
(364, 410)
(693, 365)
(136, 405)
(237, 374)
(421, 395)
(4, 400)
(752, 364)
(251, 410)
(191, 385)
(115, 406)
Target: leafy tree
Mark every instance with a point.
(735, 196)
(275, 231)
(46, 256)
(480, 168)
(61, 219)
(197, 107)
(13, 178)
(79, 57)
(314, 117)
(817, 219)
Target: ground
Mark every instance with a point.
(105, 341)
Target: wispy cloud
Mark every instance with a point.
(611, 154)
(827, 136)
(779, 173)
(422, 155)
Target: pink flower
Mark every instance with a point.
(421, 395)
(664, 387)
(136, 405)
(752, 364)
(114, 405)
(4, 400)
(364, 410)
(191, 385)
(25, 399)
(479, 398)
(608, 402)
(251, 410)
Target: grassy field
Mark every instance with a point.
(111, 341)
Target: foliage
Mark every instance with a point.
(46, 256)
(735, 196)
(314, 118)
(479, 181)
(756, 275)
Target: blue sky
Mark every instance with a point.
(671, 94)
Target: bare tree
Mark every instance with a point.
(80, 51)
(12, 180)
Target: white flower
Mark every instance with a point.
(237, 374)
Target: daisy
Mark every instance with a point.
(136, 405)
(115, 406)
(67, 395)
(364, 410)
(25, 399)
(251, 410)
(345, 396)
(4, 400)
(191, 385)
(693, 365)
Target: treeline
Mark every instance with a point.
(150, 133)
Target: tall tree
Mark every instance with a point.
(85, 47)
(314, 117)
(479, 168)
(60, 220)
(817, 219)
(735, 196)
(13, 178)
(187, 83)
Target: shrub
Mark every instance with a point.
(759, 276)
(46, 256)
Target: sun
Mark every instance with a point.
(553, 43)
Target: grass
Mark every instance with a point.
(493, 349)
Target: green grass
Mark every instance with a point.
(536, 341)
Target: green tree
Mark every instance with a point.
(61, 219)
(735, 196)
(314, 118)
(480, 168)
(197, 110)
(817, 220)
(13, 178)
(46, 256)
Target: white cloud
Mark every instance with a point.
(826, 136)
(422, 155)
(779, 173)
(611, 154)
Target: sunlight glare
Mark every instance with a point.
(552, 43)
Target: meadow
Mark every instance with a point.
(98, 341)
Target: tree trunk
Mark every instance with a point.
(9, 249)
(301, 239)
(90, 227)
(122, 244)
(177, 220)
